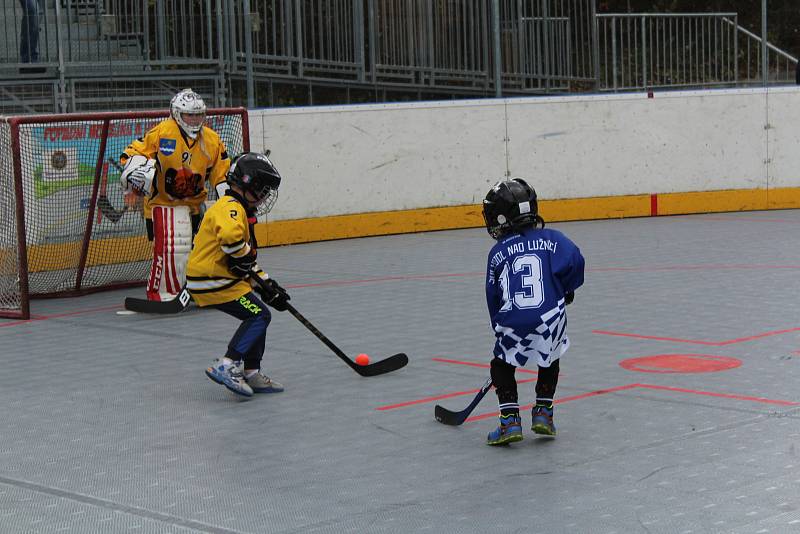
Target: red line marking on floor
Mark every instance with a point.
(697, 341)
(717, 267)
(750, 219)
(457, 393)
(721, 395)
(559, 401)
(58, 315)
(481, 365)
(656, 338)
(656, 268)
(761, 400)
(384, 279)
(438, 397)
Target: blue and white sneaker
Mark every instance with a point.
(509, 431)
(543, 420)
(230, 376)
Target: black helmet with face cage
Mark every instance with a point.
(257, 178)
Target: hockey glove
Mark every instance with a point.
(138, 174)
(569, 296)
(242, 265)
(273, 294)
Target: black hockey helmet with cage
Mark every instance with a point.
(257, 178)
(510, 205)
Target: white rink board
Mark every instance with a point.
(356, 159)
(385, 157)
(784, 137)
(631, 144)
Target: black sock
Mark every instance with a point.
(546, 384)
(505, 386)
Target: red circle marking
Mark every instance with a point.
(680, 363)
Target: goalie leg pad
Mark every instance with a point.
(172, 242)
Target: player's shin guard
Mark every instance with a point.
(546, 383)
(510, 427)
(542, 412)
(505, 385)
(172, 242)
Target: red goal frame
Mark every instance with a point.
(14, 124)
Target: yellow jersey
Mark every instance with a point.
(224, 230)
(183, 165)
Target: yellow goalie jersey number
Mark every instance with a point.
(207, 276)
(182, 166)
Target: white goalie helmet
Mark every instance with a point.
(189, 111)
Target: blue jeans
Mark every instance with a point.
(29, 33)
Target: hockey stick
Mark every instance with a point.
(176, 305)
(392, 363)
(446, 417)
(108, 210)
(103, 204)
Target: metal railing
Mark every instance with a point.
(126, 54)
(105, 53)
(651, 50)
(780, 64)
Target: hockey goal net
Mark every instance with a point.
(67, 227)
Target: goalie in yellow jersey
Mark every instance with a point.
(223, 257)
(169, 166)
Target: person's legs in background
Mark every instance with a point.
(29, 32)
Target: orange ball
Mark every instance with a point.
(362, 359)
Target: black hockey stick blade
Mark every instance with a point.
(108, 210)
(176, 305)
(446, 417)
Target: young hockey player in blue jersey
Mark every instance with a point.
(532, 275)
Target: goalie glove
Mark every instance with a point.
(273, 294)
(138, 174)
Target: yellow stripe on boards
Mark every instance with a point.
(469, 216)
(582, 209)
(712, 201)
(367, 224)
(58, 256)
(431, 219)
(783, 198)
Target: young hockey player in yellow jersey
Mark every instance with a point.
(223, 256)
(170, 166)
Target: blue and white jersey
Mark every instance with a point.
(527, 277)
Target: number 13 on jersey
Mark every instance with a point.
(524, 273)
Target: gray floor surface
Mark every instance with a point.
(109, 424)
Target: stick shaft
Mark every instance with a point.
(448, 417)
